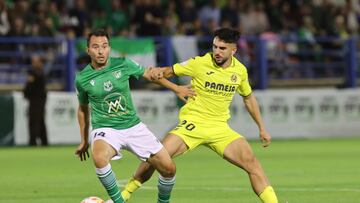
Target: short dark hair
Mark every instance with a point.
(97, 33)
(228, 35)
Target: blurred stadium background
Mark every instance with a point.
(302, 57)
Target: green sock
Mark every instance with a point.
(108, 180)
(165, 186)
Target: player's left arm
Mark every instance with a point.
(252, 107)
(159, 75)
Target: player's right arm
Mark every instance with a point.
(167, 72)
(186, 68)
(158, 75)
(83, 119)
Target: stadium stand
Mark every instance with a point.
(284, 44)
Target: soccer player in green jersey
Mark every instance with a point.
(216, 78)
(103, 87)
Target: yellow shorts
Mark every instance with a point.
(215, 135)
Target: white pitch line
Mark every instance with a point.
(121, 183)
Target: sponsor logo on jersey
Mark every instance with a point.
(114, 104)
(92, 82)
(117, 74)
(108, 86)
(210, 72)
(219, 86)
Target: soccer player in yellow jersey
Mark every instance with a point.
(216, 78)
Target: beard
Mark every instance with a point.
(220, 63)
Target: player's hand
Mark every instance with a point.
(265, 138)
(184, 92)
(82, 151)
(156, 73)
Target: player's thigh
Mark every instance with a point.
(220, 137)
(102, 152)
(186, 136)
(239, 153)
(163, 163)
(104, 143)
(174, 145)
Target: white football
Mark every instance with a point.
(92, 200)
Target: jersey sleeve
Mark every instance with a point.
(244, 89)
(186, 67)
(134, 69)
(81, 93)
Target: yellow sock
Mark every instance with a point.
(129, 188)
(268, 195)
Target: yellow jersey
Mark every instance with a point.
(215, 87)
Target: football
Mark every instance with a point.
(92, 200)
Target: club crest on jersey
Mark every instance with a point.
(92, 82)
(108, 86)
(117, 74)
(233, 78)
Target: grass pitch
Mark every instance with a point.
(301, 171)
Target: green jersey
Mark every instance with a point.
(108, 92)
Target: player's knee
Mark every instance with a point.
(169, 170)
(100, 160)
(251, 163)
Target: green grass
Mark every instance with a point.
(301, 171)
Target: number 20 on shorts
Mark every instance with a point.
(188, 126)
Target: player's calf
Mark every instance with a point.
(162, 162)
(166, 182)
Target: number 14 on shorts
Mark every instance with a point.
(102, 134)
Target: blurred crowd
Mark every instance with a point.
(75, 18)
